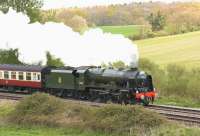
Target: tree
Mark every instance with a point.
(9, 56)
(48, 16)
(29, 7)
(4, 6)
(78, 23)
(117, 64)
(72, 18)
(157, 21)
(53, 61)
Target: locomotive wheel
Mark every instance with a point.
(124, 97)
(104, 97)
(93, 95)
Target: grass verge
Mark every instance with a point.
(178, 101)
(16, 130)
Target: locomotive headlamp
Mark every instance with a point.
(142, 97)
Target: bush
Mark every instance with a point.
(43, 109)
(174, 80)
(148, 34)
(124, 119)
(112, 119)
(38, 108)
(177, 79)
(161, 33)
(192, 85)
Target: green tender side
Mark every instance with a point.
(63, 79)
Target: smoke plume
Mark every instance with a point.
(93, 47)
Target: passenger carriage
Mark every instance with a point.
(22, 77)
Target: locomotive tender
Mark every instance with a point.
(127, 86)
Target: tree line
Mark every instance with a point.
(154, 18)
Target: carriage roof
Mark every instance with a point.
(15, 67)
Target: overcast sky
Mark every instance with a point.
(85, 3)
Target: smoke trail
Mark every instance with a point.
(91, 48)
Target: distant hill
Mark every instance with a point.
(181, 49)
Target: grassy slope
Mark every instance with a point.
(128, 30)
(6, 107)
(182, 49)
(14, 130)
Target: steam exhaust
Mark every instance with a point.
(93, 47)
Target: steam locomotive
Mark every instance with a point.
(128, 86)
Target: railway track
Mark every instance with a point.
(186, 115)
(189, 116)
(11, 96)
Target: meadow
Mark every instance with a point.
(127, 30)
(182, 49)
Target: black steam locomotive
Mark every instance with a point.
(127, 86)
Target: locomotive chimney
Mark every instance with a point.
(134, 62)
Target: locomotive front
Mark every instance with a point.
(141, 87)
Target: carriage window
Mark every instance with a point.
(1, 74)
(21, 76)
(28, 76)
(13, 75)
(34, 76)
(38, 77)
(6, 75)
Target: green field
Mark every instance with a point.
(128, 30)
(181, 49)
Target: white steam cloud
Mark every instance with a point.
(91, 48)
